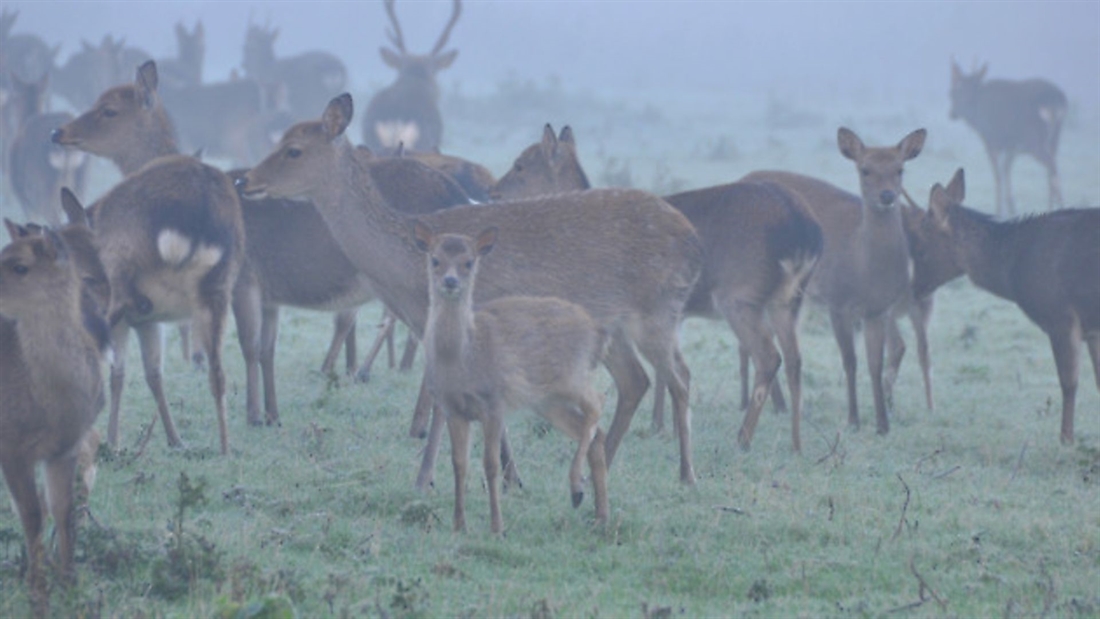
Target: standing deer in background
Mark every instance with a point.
(51, 390)
(186, 68)
(864, 269)
(640, 259)
(1046, 264)
(513, 352)
(170, 235)
(1012, 117)
(407, 111)
(38, 169)
(310, 78)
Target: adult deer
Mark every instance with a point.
(51, 390)
(310, 78)
(761, 247)
(864, 269)
(640, 257)
(170, 235)
(1012, 117)
(186, 68)
(512, 352)
(1046, 264)
(407, 111)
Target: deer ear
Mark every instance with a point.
(549, 140)
(849, 143)
(422, 234)
(566, 135)
(53, 246)
(937, 205)
(912, 144)
(486, 240)
(199, 30)
(72, 207)
(444, 61)
(337, 116)
(980, 73)
(15, 231)
(390, 57)
(956, 189)
(146, 83)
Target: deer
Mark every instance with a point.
(510, 353)
(864, 269)
(761, 242)
(407, 111)
(637, 301)
(310, 78)
(1012, 117)
(292, 259)
(1045, 264)
(170, 234)
(52, 385)
(39, 168)
(186, 68)
(25, 56)
(89, 72)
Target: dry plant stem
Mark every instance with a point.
(904, 508)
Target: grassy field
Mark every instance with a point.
(972, 510)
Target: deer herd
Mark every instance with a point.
(519, 288)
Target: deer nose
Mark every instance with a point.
(450, 283)
(55, 135)
(887, 197)
(241, 182)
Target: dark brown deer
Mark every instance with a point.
(762, 244)
(39, 168)
(636, 281)
(170, 236)
(52, 385)
(1012, 117)
(407, 111)
(513, 352)
(89, 72)
(310, 78)
(25, 56)
(1046, 264)
(864, 269)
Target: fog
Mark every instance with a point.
(789, 49)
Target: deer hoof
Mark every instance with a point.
(577, 498)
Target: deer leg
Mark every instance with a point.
(409, 354)
(343, 334)
(459, 430)
(747, 322)
(1055, 198)
(631, 383)
(1010, 202)
(1063, 341)
(184, 329)
(579, 425)
(1093, 340)
(784, 320)
(491, 428)
(210, 323)
(385, 330)
(920, 312)
(874, 335)
(998, 181)
(425, 476)
(269, 336)
(19, 476)
(597, 464)
(149, 339)
(895, 352)
(661, 349)
(248, 313)
(845, 340)
(508, 463)
(351, 346)
(60, 481)
(120, 337)
(744, 357)
(658, 422)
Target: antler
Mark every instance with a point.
(447, 31)
(395, 34)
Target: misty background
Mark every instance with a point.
(900, 49)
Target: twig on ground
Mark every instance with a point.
(1019, 461)
(731, 510)
(832, 449)
(904, 508)
(947, 472)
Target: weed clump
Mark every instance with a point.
(188, 556)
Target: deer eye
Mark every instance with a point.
(435, 262)
(20, 269)
(469, 264)
(293, 153)
(865, 172)
(109, 113)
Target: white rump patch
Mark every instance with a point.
(395, 132)
(173, 247)
(207, 256)
(65, 159)
(1051, 115)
